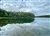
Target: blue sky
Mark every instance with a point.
(38, 7)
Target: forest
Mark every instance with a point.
(4, 13)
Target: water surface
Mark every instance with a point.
(39, 27)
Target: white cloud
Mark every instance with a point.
(40, 7)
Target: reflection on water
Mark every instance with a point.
(40, 27)
(18, 20)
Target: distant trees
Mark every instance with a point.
(4, 13)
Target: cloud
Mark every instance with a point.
(39, 7)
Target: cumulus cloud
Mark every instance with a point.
(39, 7)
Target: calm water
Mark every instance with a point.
(39, 27)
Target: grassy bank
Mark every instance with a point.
(16, 17)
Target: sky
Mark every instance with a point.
(38, 7)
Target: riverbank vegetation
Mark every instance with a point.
(4, 13)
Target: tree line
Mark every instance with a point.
(4, 13)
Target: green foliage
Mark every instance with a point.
(4, 13)
(14, 20)
(7, 17)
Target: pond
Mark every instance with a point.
(38, 27)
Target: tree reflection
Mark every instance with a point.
(17, 20)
